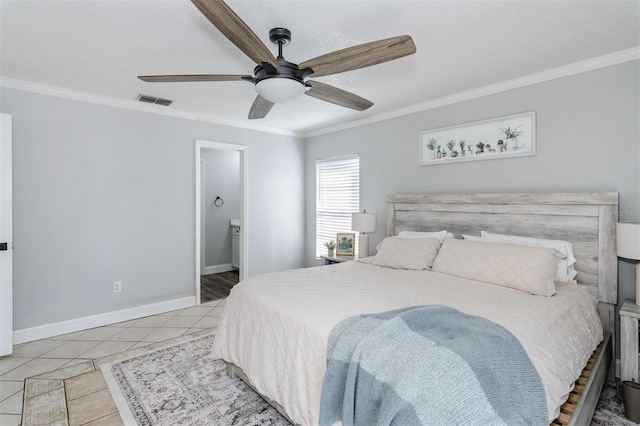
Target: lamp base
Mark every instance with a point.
(363, 246)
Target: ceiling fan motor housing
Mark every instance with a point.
(286, 81)
(285, 70)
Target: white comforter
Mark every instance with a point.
(275, 326)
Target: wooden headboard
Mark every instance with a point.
(588, 221)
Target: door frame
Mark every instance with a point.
(6, 220)
(244, 208)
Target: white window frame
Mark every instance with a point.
(337, 197)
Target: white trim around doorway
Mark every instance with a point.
(244, 172)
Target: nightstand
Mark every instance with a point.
(331, 260)
(629, 315)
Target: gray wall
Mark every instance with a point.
(103, 194)
(588, 141)
(97, 186)
(221, 179)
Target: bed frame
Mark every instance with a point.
(587, 220)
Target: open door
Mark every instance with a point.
(6, 237)
(244, 171)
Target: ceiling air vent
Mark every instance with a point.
(153, 100)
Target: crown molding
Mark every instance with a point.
(62, 92)
(540, 77)
(77, 95)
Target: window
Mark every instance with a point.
(337, 196)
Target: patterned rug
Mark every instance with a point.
(610, 411)
(186, 384)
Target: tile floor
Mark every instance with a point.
(80, 349)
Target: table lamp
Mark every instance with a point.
(628, 235)
(363, 222)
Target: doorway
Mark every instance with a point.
(219, 205)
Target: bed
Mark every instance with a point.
(275, 327)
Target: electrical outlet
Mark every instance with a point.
(117, 286)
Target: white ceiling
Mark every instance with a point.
(99, 47)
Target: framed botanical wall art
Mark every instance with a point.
(345, 243)
(502, 137)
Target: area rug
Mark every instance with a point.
(184, 385)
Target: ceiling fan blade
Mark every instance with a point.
(337, 96)
(234, 28)
(260, 108)
(363, 55)
(194, 77)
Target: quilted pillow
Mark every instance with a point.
(407, 253)
(566, 270)
(525, 268)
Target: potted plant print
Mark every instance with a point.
(450, 145)
(511, 135)
(500, 146)
(462, 144)
(432, 145)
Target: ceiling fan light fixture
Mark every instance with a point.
(279, 90)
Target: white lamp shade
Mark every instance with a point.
(628, 237)
(363, 222)
(279, 90)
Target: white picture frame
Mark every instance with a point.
(488, 132)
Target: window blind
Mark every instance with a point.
(337, 196)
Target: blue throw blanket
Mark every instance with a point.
(429, 365)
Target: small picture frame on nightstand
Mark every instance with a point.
(345, 243)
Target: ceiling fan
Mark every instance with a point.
(277, 80)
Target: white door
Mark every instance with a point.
(6, 238)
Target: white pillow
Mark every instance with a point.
(529, 269)
(407, 253)
(441, 235)
(566, 271)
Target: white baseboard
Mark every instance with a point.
(216, 269)
(70, 326)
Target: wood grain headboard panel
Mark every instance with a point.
(587, 220)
